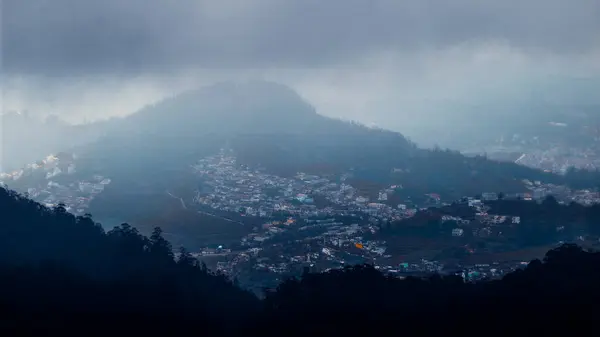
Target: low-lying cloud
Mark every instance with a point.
(91, 59)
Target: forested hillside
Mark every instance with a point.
(64, 275)
(59, 265)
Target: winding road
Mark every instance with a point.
(202, 212)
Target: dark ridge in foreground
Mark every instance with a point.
(63, 275)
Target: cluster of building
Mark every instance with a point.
(284, 248)
(333, 245)
(539, 190)
(329, 241)
(50, 182)
(556, 156)
(306, 220)
(230, 187)
(559, 159)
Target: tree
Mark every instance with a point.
(160, 247)
(550, 201)
(186, 259)
(61, 208)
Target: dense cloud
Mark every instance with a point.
(398, 63)
(75, 37)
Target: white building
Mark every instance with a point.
(457, 232)
(489, 196)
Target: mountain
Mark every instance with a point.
(265, 123)
(267, 126)
(228, 112)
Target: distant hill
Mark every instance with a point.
(227, 113)
(269, 125)
(265, 123)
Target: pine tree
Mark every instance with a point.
(159, 247)
(186, 259)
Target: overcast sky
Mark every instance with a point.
(99, 58)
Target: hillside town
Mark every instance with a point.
(230, 187)
(557, 157)
(559, 160)
(307, 221)
(265, 259)
(297, 232)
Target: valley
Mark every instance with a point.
(260, 227)
(262, 187)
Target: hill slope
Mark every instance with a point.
(55, 264)
(148, 154)
(268, 124)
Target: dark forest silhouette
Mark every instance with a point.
(63, 275)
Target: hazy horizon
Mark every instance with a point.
(395, 64)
